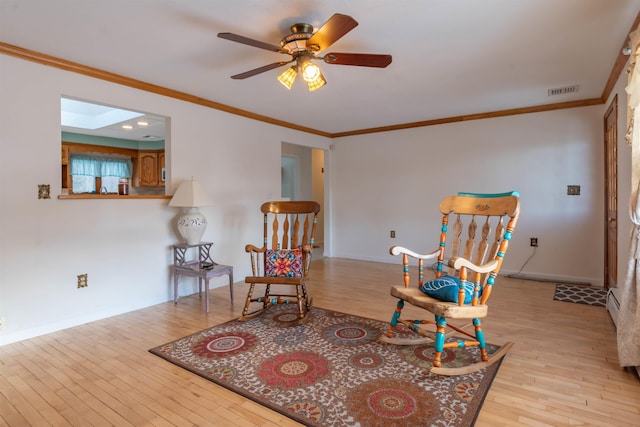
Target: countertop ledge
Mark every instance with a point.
(108, 196)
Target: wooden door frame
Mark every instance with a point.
(611, 110)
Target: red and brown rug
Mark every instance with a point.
(333, 371)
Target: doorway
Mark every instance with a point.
(289, 177)
(302, 178)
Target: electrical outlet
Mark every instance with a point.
(534, 242)
(573, 190)
(3, 322)
(392, 234)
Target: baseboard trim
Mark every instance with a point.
(548, 279)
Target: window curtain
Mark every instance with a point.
(92, 166)
(628, 333)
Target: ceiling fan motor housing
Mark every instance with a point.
(297, 41)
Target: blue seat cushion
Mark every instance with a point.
(445, 288)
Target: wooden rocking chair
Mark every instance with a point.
(283, 259)
(465, 274)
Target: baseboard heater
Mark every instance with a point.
(613, 307)
(613, 304)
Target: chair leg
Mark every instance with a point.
(439, 344)
(267, 292)
(264, 300)
(247, 301)
(394, 319)
(305, 296)
(485, 361)
(391, 336)
(481, 342)
(300, 303)
(306, 301)
(441, 323)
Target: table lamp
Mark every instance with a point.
(191, 224)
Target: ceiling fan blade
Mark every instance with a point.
(250, 42)
(332, 30)
(259, 70)
(359, 59)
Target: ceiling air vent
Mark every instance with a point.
(563, 90)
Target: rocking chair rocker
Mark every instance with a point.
(284, 258)
(463, 290)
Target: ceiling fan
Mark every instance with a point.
(304, 46)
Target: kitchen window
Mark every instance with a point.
(97, 174)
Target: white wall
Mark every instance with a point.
(123, 245)
(375, 183)
(395, 181)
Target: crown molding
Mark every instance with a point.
(74, 67)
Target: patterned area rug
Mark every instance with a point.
(332, 371)
(581, 295)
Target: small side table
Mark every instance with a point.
(203, 268)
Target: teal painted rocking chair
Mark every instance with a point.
(466, 268)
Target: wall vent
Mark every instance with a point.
(563, 90)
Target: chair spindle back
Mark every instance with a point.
(467, 210)
(291, 225)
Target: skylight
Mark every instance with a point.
(85, 115)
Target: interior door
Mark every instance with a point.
(611, 195)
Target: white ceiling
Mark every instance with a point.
(450, 58)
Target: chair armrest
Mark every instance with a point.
(252, 248)
(457, 262)
(397, 250)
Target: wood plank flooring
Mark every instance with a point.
(562, 371)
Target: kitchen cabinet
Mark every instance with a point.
(150, 167)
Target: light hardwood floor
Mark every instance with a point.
(562, 371)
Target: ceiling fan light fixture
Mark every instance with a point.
(288, 76)
(310, 72)
(317, 83)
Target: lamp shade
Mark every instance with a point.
(190, 194)
(191, 225)
(288, 77)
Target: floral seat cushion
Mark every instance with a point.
(283, 262)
